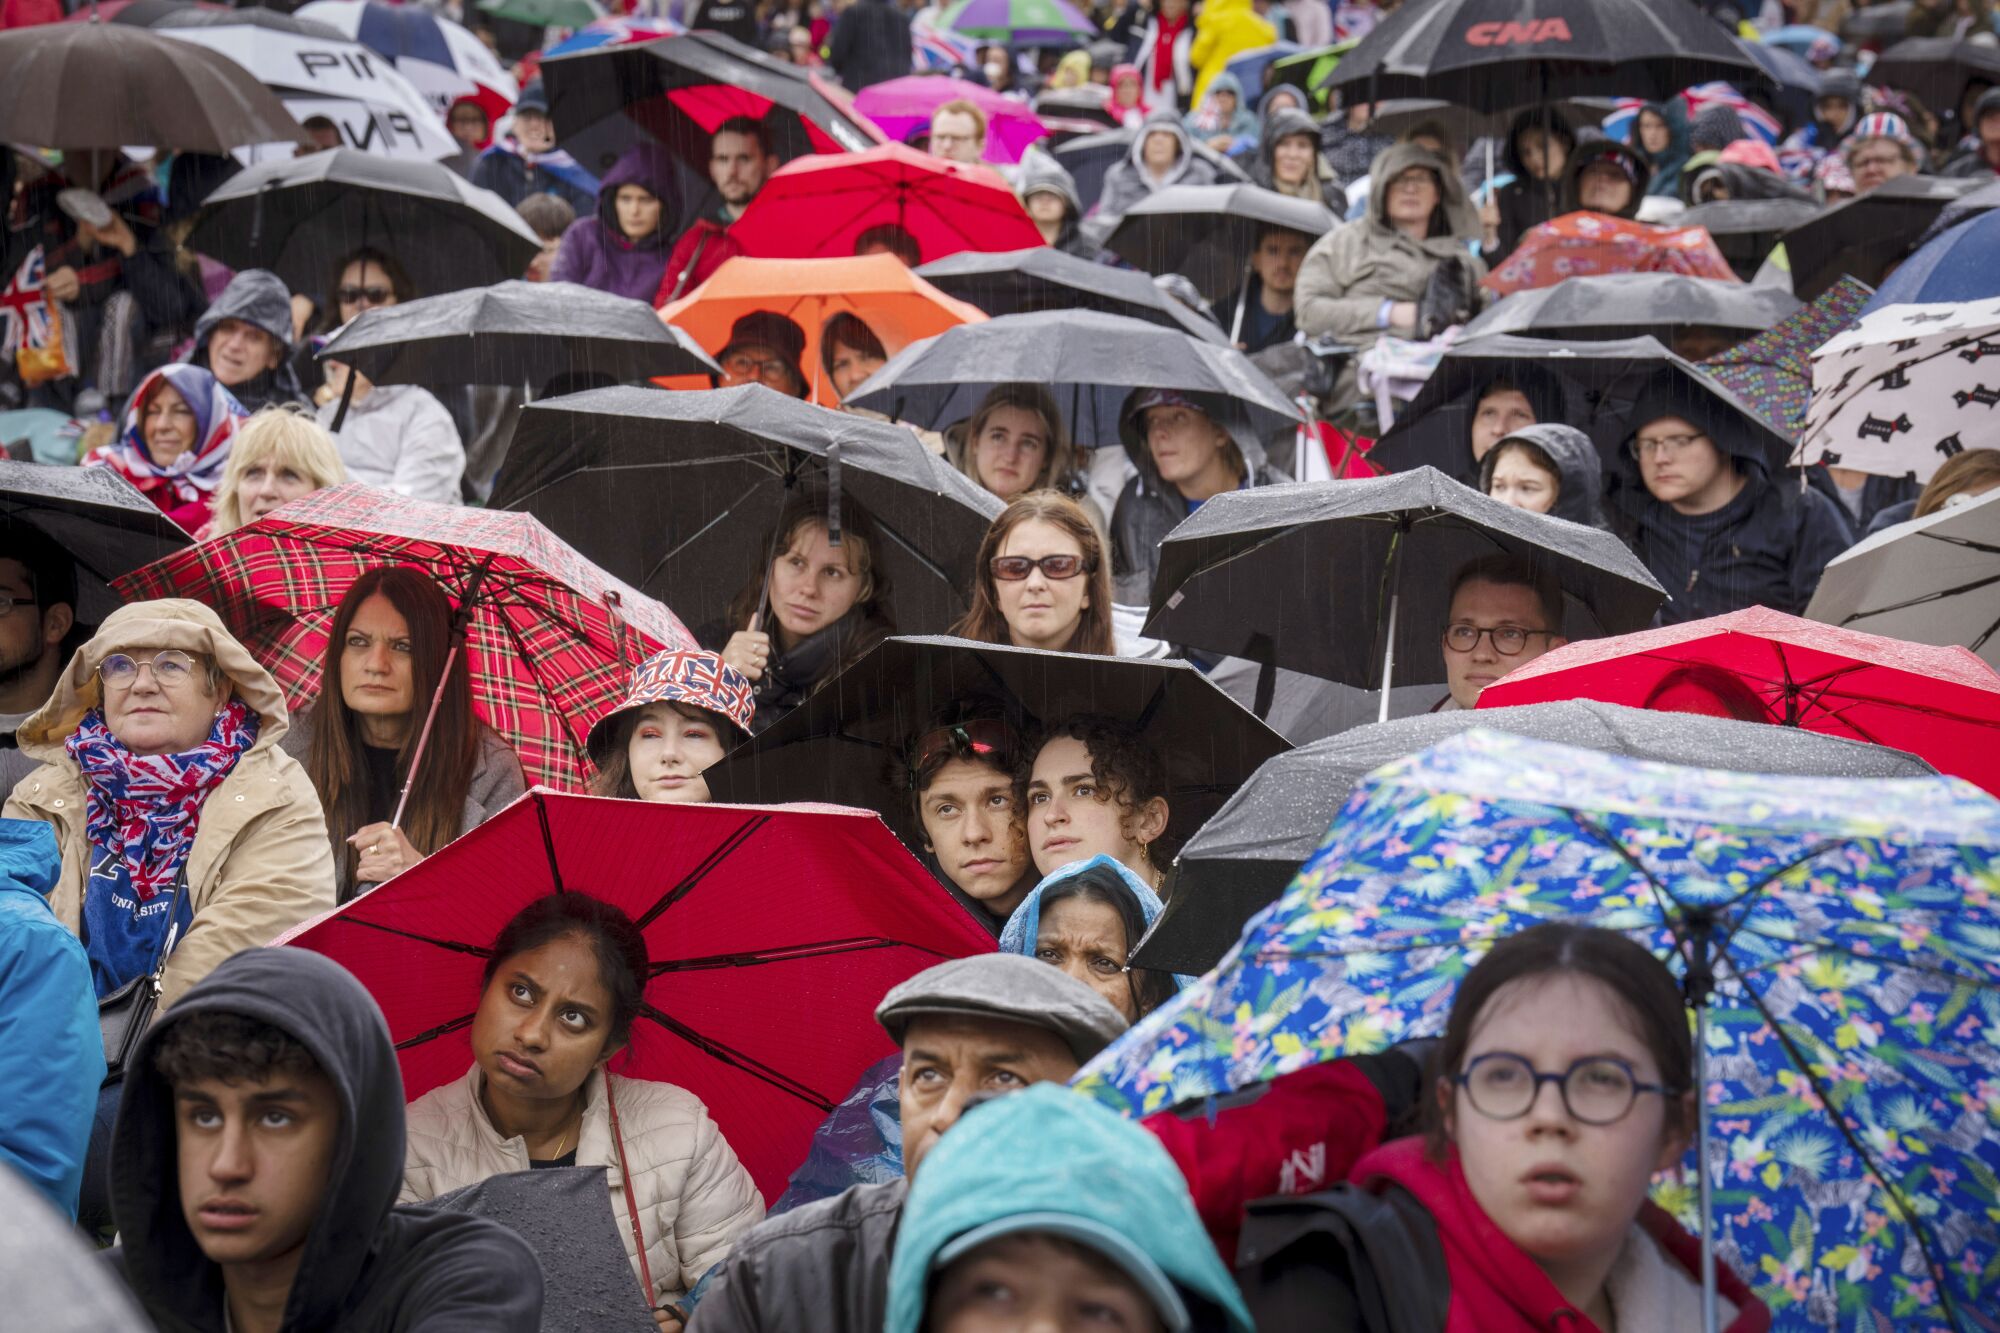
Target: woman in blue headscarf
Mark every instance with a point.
(1086, 919)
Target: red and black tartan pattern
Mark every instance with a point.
(552, 639)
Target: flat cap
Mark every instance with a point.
(1006, 986)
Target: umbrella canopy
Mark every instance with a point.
(1587, 243)
(441, 58)
(1243, 858)
(615, 32)
(772, 934)
(846, 738)
(1955, 266)
(1838, 929)
(1397, 116)
(821, 206)
(1795, 79)
(517, 333)
(1905, 389)
(550, 639)
(545, 13)
(1492, 55)
(1321, 576)
(1971, 204)
(1042, 278)
(1941, 704)
(1937, 70)
(1206, 233)
(1876, 23)
(1018, 22)
(902, 107)
(1772, 372)
(1868, 235)
(1074, 104)
(301, 217)
(1087, 157)
(97, 516)
(1745, 230)
(674, 491)
(105, 85)
(1091, 362)
(1249, 66)
(897, 305)
(1935, 579)
(1634, 305)
(318, 71)
(679, 89)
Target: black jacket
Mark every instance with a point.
(1253, 292)
(368, 1265)
(870, 44)
(1525, 202)
(824, 1266)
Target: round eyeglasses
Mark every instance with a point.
(1508, 640)
(1595, 1091)
(170, 667)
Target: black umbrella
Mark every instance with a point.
(104, 85)
(1496, 54)
(1027, 282)
(1206, 233)
(517, 333)
(1875, 22)
(1351, 580)
(678, 89)
(97, 516)
(1866, 236)
(1397, 116)
(1746, 229)
(1076, 104)
(301, 216)
(1088, 157)
(674, 491)
(1091, 362)
(1936, 70)
(1243, 858)
(1967, 206)
(1598, 308)
(842, 744)
(1792, 75)
(588, 1285)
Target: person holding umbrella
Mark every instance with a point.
(1539, 145)
(1162, 154)
(176, 441)
(1980, 155)
(1880, 149)
(849, 352)
(1659, 136)
(765, 348)
(1267, 297)
(1048, 193)
(245, 340)
(1605, 177)
(1043, 580)
(1506, 611)
(960, 775)
(560, 990)
(680, 715)
(1958, 480)
(528, 161)
(38, 581)
(1289, 159)
(401, 767)
(1549, 469)
(740, 160)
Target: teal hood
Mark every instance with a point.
(1056, 1154)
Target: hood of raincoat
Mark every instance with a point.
(1025, 925)
(1579, 470)
(1057, 1162)
(1267, 104)
(1715, 127)
(1665, 165)
(255, 296)
(1535, 119)
(1220, 411)
(1205, 120)
(1633, 163)
(646, 164)
(1461, 219)
(1041, 172)
(1673, 396)
(169, 623)
(1283, 124)
(1165, 118)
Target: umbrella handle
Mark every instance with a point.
(424, 736)
(631, 1208)
(1708, 1303)
(346, 397)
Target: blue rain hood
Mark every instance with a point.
(1022, 928)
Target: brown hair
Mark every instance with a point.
(1647, 994)
(1060, 460)
(858, 543)
(1127, 770)
(614, 775)
(1515, 571)
(335, 763)
(983, 620)
(1958, 474)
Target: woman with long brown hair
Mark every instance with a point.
(385, 653)
(1016, 443)
(1042, 580)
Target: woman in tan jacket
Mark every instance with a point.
(562, 986)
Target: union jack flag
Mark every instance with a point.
(934, 51)
(24, 310)
(1618, 125)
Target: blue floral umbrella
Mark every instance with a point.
(1843, 935)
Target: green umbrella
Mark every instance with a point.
(545, 13)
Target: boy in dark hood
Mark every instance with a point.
(256, 1162)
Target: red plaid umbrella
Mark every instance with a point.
(773, 931)
(1940, 704)
(551, 639)
(1579, 244)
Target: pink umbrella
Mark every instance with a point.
(902, 107)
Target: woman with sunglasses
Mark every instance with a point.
(1042, 580)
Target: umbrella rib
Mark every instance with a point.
(729, 1055)
(441, 1030)
(455, 946)
(1802, 950)
(698, 534)
(784, 953)
(1923, 599)
(548, 841)
(895, 535)
(716, 856)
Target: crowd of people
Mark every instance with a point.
(181, 803)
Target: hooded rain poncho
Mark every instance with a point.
(597, 253)
(258, 297)
(1579, 470)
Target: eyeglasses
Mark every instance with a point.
(1876, 160)
(365, 295)
(988, 739)
(7, 604)
(1414, 180)
(1664, 445)
(1596, 1091)
(1508, 640)
(744, 366)
(170, 666)
(1013, 568)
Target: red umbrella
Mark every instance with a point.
(551, 639)
(773, 932)
(1583, 244)
(818, 206)
(1941, 704)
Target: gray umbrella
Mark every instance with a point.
(1090, 156)
(1243, 858)
(1746, 229)
(55, 1282)
(1934, 579)
(1867, 236)
(1635, 305)
(588, 1285)
(1206, 233)
(517, 333)
(97, 516)
(1091, 362)
(1351, 580)
(1026, 282)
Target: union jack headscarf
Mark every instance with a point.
(196, 473)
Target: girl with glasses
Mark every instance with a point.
(1042, 580)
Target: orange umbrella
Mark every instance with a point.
(895, 303)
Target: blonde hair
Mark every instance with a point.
(1058, 463)
(285, 434)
